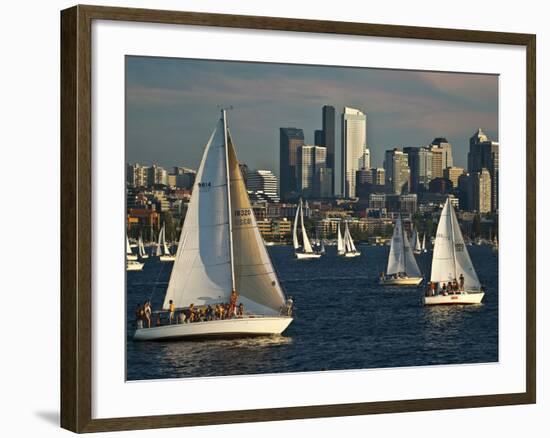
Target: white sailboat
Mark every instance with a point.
(134, 265)
(349, 247)
(423, 247)
(220, 251)
(141, 249)
(451, 262)
(304, 251)
(129, 254)
(163, 251)
(402, 269)
(340, 245)
(415, 242)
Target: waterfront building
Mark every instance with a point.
(408, 203)
(291, 139)
(354, 143)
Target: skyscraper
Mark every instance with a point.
(319, 138)
(354, 143)
(290, 140)
(437, 161)
(265, 182)
(312, 171)
(420, 164)
(479, 194)
(452, 174)
(397, 171)
(446, 151)
(484, 153)
(329, 141)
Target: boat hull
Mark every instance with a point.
(131, 257)
(305, 255)
(167, 258)
(352, 254)
(407, 281)
(135, 266)
(452, 299)
(219, 329)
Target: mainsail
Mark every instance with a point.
(401, 259)
(348, 241)
(307, 245)
(159, 243)
(141, 248)
(217, 249)
(295, 229)
(307, 248)
(450, 256)
(341, 249)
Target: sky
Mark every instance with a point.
(172, 107)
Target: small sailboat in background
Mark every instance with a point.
(304, 251)
(141, 249)
(451, 263)
(402, 268)
(163, 250)
(340, 245)
(415, 242)
(221, 254)
(129, 254)
(134, 265)
(423, 246)
(349, 247)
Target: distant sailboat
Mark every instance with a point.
(134, 265)
(129, 254)
(221, 250)
(349, 246)
(402, 268)
(415, 242)
(141, 249)
(451, 261)
(163, 251)
(340, 245)
(423, 247)
(304, 251)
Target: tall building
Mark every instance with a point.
(354, 143)
(484, 153)
(378, 176)
(263, 181)
(329, 141)
(137, 176)
(397, 171)
(312, 175)
(290, 140)
(479, 193)
(366, 159)
(319, 138)
(446, 149)
(157, 175)
(452, 174)
(420, 164)
(437, 161)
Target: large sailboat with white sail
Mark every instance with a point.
(453, 279)
(402, 269)
(221, 258)
(304, 251)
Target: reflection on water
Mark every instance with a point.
(343, 320)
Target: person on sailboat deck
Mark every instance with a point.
(461, 279)
(172, 310)
(382, 276)
(232, 303)
(288, 306)
(147, 312)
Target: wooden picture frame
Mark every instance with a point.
(76, 218)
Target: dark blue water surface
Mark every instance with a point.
(343, 320)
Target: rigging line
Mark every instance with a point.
(157, 280)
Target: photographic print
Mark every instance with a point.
(286, 218)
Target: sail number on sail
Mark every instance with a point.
(244, 216)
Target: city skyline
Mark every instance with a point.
(171, 104)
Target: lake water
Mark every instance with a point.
(343, 320)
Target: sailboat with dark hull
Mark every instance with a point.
(221, 251)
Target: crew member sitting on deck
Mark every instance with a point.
(240, 312)
(172, 310)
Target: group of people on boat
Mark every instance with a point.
(450, 288)
(383, 276)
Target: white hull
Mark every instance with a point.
(167, 258)
(225, 328)
(407, 281)
(134, 266)
(145, 256)
(131, 257)
(463, 298)
(352, 254)
(307, 255)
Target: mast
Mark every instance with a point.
(230, 215)
(403, 255)
(449, 207)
